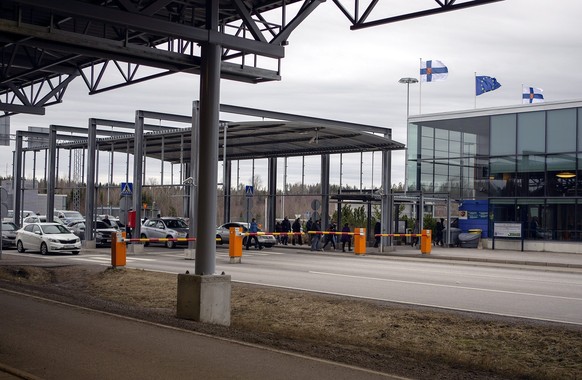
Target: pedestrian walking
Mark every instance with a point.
(346, 238)
(377, 231)
(296, 227)
(439, 232)
(316, 228)
(285, 228)
(253, 229)
(330, 237)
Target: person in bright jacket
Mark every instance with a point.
(253, 229)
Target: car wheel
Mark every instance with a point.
(20, 247)
(143, 236)
(75, 252)
(219, 239)
(170, 244)
(43, 249)
(268, 245)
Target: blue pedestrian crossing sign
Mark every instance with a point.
(126, 188)
(249, 191)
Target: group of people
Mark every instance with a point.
(330, 237)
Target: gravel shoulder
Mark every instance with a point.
(413, 342)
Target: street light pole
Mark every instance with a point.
(406, 81)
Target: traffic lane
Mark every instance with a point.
(73, 343)
(470, 288)
(465, 287)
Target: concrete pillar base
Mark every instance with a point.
(189, 253)
(89, 244)
(204, 298)
(235, 259)
(135, 248)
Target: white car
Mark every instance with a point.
(47, 238)
(172, 228)
(265, 240)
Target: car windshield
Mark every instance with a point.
(55, 229)
(9, 227)
(73, 214)
(176, 223)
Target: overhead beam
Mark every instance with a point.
(16, 108)
(445, 8)
(156, 26)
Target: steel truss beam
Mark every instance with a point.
(361, 13)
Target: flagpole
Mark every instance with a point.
(420, 87)
(475, 92)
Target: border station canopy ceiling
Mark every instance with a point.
(285, 135)
(45, 44)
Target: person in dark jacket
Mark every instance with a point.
(440, 226)
(377, 230)
(316, 236)
(346, 238)
(296, 227)
(285, 227)
(329, 238)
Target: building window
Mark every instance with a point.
(562, 175)
(502, 176)
(503, 135)
(531, 178)
(531, 133)
(560, 221)
(561, 131)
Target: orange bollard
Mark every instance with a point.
(359, 241)
(426, 242)
(118, 250)
(235, 240)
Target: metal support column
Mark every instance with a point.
(193, 183)
(324, 191)
(208, 159)
(387, 196)
(50, 191)
(272, 198)
(90, 194)
(226, 186)
(138, 159)
(17, 180)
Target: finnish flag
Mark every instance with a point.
(532, 95)
(433, 70)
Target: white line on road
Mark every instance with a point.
(445, 286)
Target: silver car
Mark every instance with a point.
(9, 234)
(160, 228)
(46, 238)
(224, 232)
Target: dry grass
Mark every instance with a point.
(503, 348)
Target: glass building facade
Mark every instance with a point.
(525, 161)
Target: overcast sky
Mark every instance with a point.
(332, 72)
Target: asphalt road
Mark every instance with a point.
(41, 339)
(502, 290)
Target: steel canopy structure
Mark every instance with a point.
(45, 44)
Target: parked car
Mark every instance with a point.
(10, 216)
(68, 216)
(9, 235)
(223, 231)
(103, 232)
(39, 219)
(47, 238)
(165, 228)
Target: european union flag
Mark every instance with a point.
(485, 84)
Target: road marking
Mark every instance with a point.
(411, 303)
(446, 286)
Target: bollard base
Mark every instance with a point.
(235, 259)
(204, 298)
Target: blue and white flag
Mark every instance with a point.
(532, 95)
(433, 70)
(485, 84)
